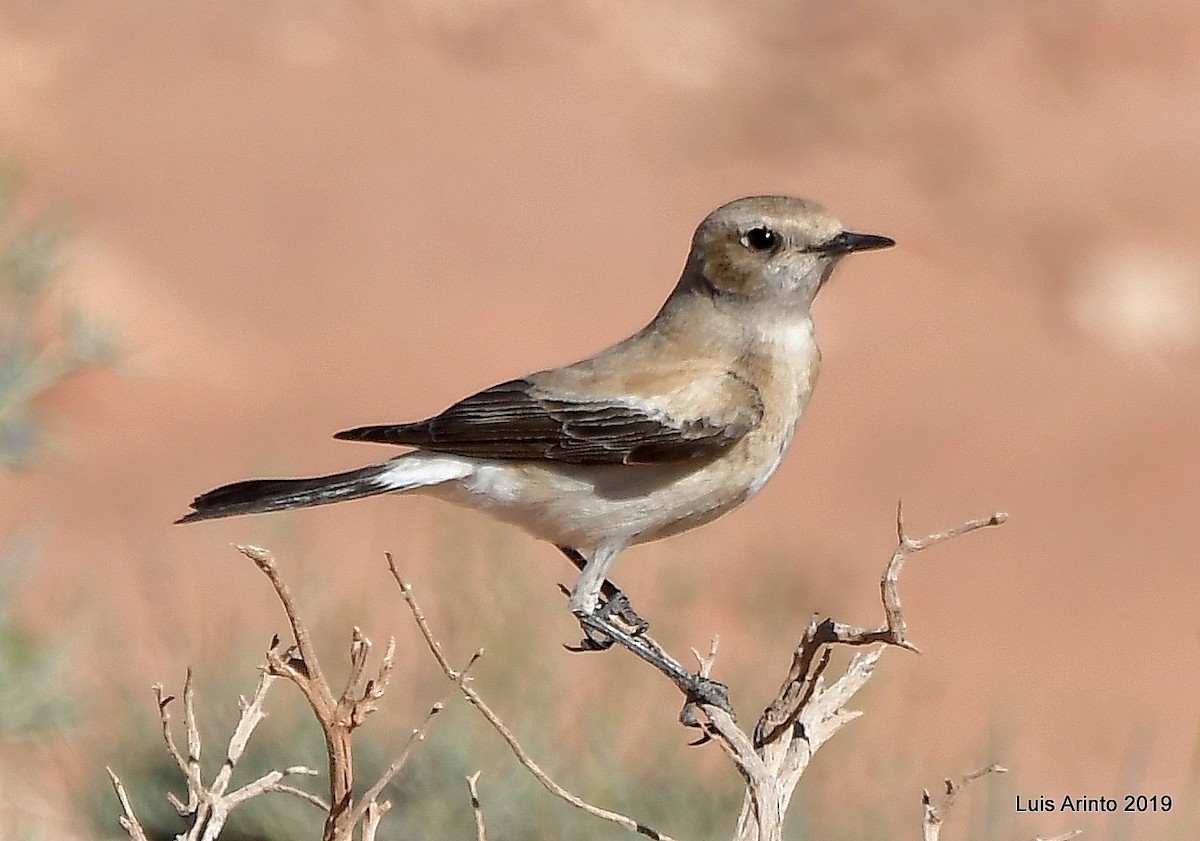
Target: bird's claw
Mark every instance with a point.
(593, 640)
(708, 692)
(616, 606)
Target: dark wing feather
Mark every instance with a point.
(517, 420)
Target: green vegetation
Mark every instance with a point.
(41, 342)
(42, 339)
(31, 672)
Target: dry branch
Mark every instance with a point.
(935, 813)
(208, 806)
(476, 807)
(372, 794)
(338, 714)
(807, 711)
(128, 820)
(462, 680)
(375, 811)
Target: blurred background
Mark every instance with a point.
(231, 229)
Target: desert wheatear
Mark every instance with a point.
(665, 431)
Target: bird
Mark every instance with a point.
(660, 433)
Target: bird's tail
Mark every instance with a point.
(259, 495)
(408, 472)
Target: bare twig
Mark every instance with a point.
(191, 729)
(271, 781)
(803, 677)
(476, 807)
(306, 796)
(461, 679)
(252, 714)
(374, 688)
(208, 806)
(265, 561)
(931, 823)
(360, 649)
(189, 769)
(705, 662)
(128, 819)
(935, 814)
(299, 664)
(338, 715)
(376, 809)
(895, 627)
(417, 736)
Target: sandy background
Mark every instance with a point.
(304, 217)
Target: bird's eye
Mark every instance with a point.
(760, 239)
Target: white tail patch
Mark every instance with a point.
(420, 470)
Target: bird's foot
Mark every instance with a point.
(704, 690)
(616, 606)
(615, 602)
(593, 640)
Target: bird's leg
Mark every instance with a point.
(585, 597)
(615, 602)
(600, 632)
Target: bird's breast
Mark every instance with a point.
(784, 365)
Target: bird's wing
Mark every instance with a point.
(525, 419)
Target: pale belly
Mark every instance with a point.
(584, 506)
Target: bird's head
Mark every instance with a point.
(773, 249)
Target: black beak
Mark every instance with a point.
(848, 241)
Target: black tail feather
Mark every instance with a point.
(260, 495)
(401, 433)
